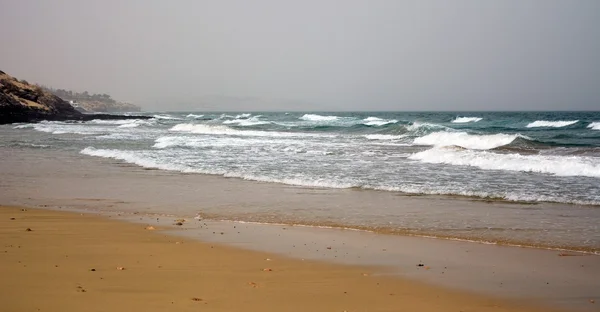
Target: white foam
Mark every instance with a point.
(555, 165)
(245, 115)
(463, 139)
(314, 117)
(224, 130)
(247, 122)
(466, 119)
(383, 137)
(149, 161)
(374, 121)
(551, 124)
(135, 123)
(110, 122)
(594, 125)
(166, 117)
(420, 127)
(194, 116)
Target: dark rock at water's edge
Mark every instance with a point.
(24, 102)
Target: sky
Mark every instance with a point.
(241, 55)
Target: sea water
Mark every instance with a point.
(530, 159)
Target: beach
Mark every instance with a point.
(72, 262)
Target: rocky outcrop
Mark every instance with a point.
(24, 102)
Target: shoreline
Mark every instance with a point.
(72, 260)
(128, 188)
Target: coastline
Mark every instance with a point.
(70, 262)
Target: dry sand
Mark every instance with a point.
(69, 262)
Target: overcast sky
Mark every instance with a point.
(312, 55)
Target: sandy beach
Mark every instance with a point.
(75, 262)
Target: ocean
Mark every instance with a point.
(519, 178)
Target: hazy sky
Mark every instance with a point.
(312, 55)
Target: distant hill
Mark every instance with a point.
(21, 101)
(86, 102)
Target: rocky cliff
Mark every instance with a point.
(23, 102)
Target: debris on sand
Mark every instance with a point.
(28, 230)
(267, 269)
(120, 268)
(179, 223)
(149, 228)
(197, 299)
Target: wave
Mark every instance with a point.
(224, 130)
(246, 122)
(194, 116)
(374, 121)
(466, 119)
(549, 164)
(314, 117)
(594, 125)
(165, 117)
(465, 140)
(245, 115)
(110, 122)
(383, 137)
(551, 124)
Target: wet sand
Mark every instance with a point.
(82, 262)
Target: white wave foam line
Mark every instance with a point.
(383, 137)
(465, 140)
(147, 161)
(194, 116)
(314, 117)
(245, 115)
(374, 121)
(224, 130)
(136, 158)
(551, 124)
(254, 121)
(165, 117)
(555, 165)
(135, 123)
(594, 125)
(111, 122)
(466, 119)
(420, 126)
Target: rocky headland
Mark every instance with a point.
(21, 101)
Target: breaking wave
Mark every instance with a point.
(224, 130)
(374, 121)
(594, 125)
(466, 119)
(314, 117)
(465, 140)
(548, 164)
(551, 124)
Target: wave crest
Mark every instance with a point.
(551, 124)
(466, 119)
(555, 165)
(594, 125)
(465, 140)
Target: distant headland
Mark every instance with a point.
(21, 101)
